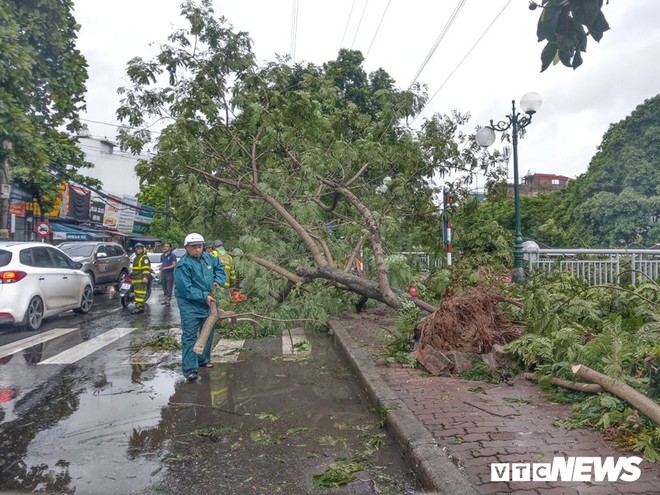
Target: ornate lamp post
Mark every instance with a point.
(529, 104)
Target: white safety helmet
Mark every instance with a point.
(193, 239)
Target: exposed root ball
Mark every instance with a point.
(470, 322)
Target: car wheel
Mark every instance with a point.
(120, 280)
(86, 302)
(34, 314)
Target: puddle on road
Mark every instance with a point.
(79, 436)
(263, 424)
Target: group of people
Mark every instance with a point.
(193, 279)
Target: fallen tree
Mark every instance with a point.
(310, 165)
(589, 388)
(639, 401)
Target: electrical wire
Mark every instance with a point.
(442, 34)
(462, 60)
(357, 30)
(120, 126)
(346, 28)
(294, 28)
(378, 29)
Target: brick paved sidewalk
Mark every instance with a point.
(480, 424)
(476, 424)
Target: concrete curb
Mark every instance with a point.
(428, 460)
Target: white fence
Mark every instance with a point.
(598, 266)
(422, 261)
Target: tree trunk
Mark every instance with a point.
(589, 388)
(639, 401)
(362, 286)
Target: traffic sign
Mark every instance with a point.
(42, 229)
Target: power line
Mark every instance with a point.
(294, 28)
(378, 28)
(120, 126)
(359, 23)
(462, 60)
(444, 31)
(346, 28)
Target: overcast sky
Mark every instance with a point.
(618, 73)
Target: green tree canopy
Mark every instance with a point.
(304, 164)
(616, 201)
(42, 87)
(614, 204)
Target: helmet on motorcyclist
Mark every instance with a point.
(193, 239)
(217, 243)
(139, 245)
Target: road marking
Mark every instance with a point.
(19, 345)
(86, 348)
(226, 351)
(289, 340)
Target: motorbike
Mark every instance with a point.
(127, 291)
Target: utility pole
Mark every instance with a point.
(4, 193)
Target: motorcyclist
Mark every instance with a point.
(140, 273)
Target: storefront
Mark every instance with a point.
(63, 233)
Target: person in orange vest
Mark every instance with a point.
(220, 252)
(140, 274)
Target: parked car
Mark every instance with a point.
(179, 252)
(38, 280)
(105, 263)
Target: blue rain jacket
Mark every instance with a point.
(193, 282)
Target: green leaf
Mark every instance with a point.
(548, 54)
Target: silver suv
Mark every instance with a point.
(105, 263)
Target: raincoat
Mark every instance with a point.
(193, 282)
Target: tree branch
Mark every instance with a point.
(376, 243)
(296, 279)
(636, 399)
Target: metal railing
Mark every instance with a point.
(422, 261)
(598, 266)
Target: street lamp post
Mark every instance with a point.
(529, 104)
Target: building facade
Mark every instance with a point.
(110, 212)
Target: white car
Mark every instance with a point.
(38, 280)
(154, 261)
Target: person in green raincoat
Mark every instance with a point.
(195, 276)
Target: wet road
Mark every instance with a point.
(97, 404)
